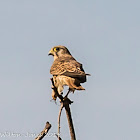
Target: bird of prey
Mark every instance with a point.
(66, 71)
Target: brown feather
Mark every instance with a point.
(68, 66)
(66, 71)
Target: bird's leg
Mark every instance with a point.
(68, 92)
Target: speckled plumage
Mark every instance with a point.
(66, 70)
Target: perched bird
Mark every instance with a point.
(66, 71)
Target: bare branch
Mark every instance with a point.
(44, 132)
(60, 111)
(66, 102)
(59, 138)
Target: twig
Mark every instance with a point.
(66, 102)
(60, 111)
(44, 132)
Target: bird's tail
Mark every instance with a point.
(88, 74)
(74, 84)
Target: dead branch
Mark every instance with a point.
(60, 111)
(65, 102)
(44, 132)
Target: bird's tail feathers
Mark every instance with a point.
(72, 84)
(88, 74)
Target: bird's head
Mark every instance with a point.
(59, 51)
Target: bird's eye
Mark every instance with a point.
(56, 49)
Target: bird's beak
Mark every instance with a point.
(50, 52)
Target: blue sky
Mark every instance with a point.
(102, 35)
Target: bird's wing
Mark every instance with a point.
(67, 66)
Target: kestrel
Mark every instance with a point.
(66, 71)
